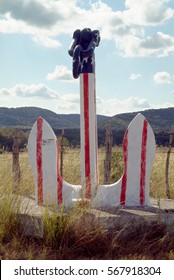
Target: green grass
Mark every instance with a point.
(67, 237)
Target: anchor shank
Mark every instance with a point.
(88, 134)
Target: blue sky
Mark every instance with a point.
(134, 61)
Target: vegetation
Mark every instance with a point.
(71, 137)
(24, 117)
(161, 121)
(63, 240)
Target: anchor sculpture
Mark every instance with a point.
(138, 146)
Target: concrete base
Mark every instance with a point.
(124, 217)
(31, 216)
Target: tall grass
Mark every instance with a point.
(72, 172)
(72, 236)
(157, 182)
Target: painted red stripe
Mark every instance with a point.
(60, 188)
(124, 178)
(86, 131)
(59, 178)
(143, 163)
(39, 160)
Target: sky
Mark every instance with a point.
(134, 60)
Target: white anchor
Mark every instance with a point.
(138, 152)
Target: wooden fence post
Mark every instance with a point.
(107, 161)
(167, 161)
(15, 153)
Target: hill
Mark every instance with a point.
(24, 117)
(159, 119)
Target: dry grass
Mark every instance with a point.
(157, 183)
(150, 242)
(63, 240)
(72, 173)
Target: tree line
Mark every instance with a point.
(71, 138)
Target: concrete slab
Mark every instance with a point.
(31, 215)
(161, 211)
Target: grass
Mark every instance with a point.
(157, 183)
(66, 237)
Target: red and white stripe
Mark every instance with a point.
(44, 156)
(133, 185)
(138, 152)
(49, 181)
(88, 130)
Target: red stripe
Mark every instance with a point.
(59, 178)
(143, 163)
(39, 160)
(60, 187)
(86, 131)
(124, 178)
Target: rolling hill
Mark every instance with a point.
(24, 117)
(159, 119)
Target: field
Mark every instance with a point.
(60, 240)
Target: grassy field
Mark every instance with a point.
(157, 182)
(61, 240)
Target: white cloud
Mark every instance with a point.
(40, 91)
(40, 36)
(32, 95)
(164, 105)
(40, 13)
(114, 106)
(45, 40)
(69, 103)
(4, 92)
(134, 76)
(40, 95)
(162, 78)
(61, 73)
(158, 45)
(128, 27)
(72, 98)
(148, 12)
(45, 20)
